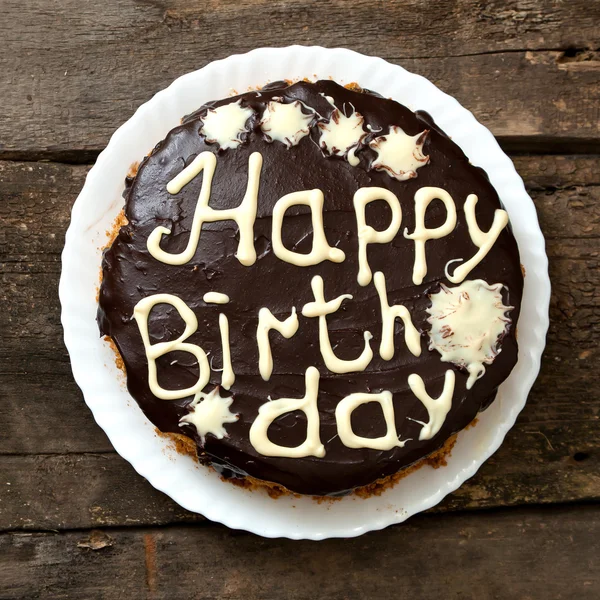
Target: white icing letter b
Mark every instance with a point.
(141, 312)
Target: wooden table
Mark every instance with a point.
(78, 522)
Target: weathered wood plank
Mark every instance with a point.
(541, 555)
(557, 172)
(460, 27)
(59, 492)
(535, 464)
(528, 69)
(66, 426)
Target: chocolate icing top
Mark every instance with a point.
(130, 273)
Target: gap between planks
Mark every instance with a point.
(511, 145)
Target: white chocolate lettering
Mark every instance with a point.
(366, 234)
(141, 313)
(321, 250)
(269, 411)
(437, 408)
(483, 240)
(389, 314)
(205, 161)
(320, 308)
(267, 322)
(343, 417)
(244, 215)
(215, 298)
(227, 376)
(423, 198)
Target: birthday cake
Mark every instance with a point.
(313, 284)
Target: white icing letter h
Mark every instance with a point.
(141, 312)
(244, 215)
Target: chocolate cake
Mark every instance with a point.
(314, 284)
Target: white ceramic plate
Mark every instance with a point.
(132, 435)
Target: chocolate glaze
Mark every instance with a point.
(130, 274)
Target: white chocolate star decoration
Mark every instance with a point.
(209, 414)
(399, 154)
(224, 125)
(467, 322)
(286, 123)
(342, 134)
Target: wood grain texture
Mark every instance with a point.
(550, 456)
(541, 555)
(72, 74)
(408, 27)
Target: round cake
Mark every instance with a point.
(314, 285)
